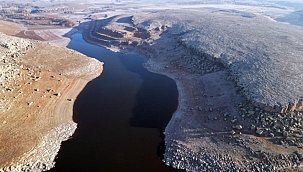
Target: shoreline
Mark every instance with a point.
(173, 147)
(179, 154)
(42, 156)
(215, 127)
(47, 88)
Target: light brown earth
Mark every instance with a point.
(10, 28)
(43, 33)
(37, 102)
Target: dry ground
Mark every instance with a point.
(10, 28)
(49, 34)
(215, 128)
(38, 102)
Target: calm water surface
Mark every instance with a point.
(121, 116)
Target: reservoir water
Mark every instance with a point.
(121, 116)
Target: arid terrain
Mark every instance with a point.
(238, 110)
(238, 72)
(39, 83)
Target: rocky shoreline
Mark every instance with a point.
(39, 83)
(42, 157)
(238, 72)
(215, 127)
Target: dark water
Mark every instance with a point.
(120, 116)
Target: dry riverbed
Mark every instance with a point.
(39, 84)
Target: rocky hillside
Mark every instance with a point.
(265, 58)
(238, 76)
(39, 83)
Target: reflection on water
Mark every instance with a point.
(121, 116)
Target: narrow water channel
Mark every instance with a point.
(121, 116)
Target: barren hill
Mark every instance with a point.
(263, 56)
(39, 83)
(239, 77)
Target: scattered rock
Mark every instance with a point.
(239, 127)
(259, 131)
(10, 89)
(57, 94)
(251, 112)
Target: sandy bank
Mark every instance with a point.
(37, 97)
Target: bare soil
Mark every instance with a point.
(36, 113)
(10, 28)
(49, 34)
